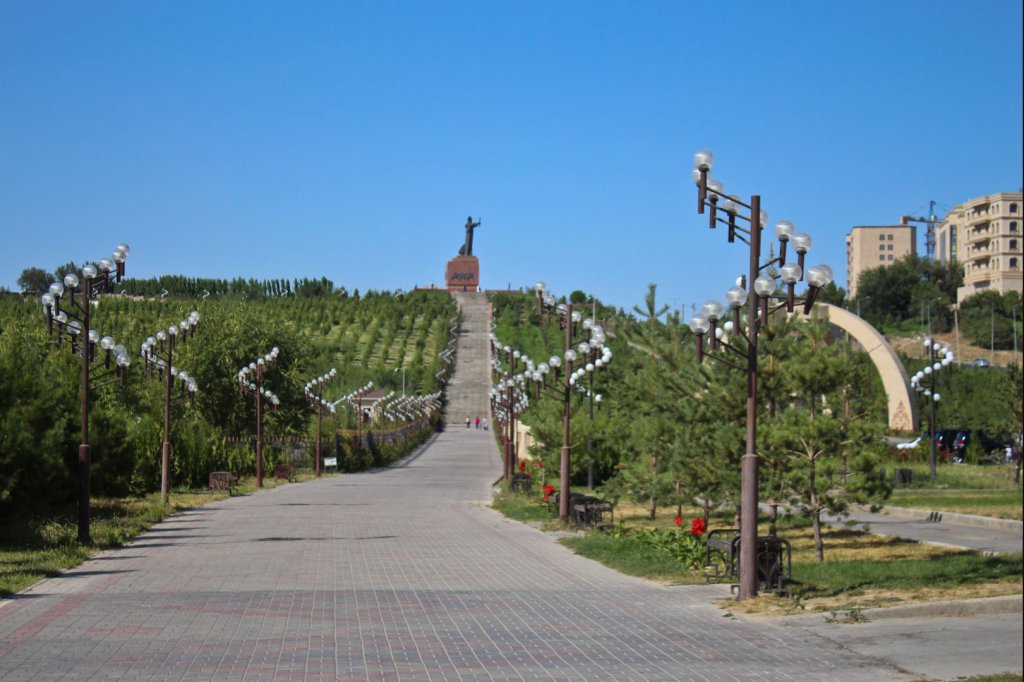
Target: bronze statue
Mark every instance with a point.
(467, 248)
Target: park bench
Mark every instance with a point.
(553, 502)
(584, 511)
(774, 560)
(521, 482)
(588, 512)
(223, 480)
(284, 471)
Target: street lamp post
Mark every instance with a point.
(83, 343)
(938, 358)
(587, 357)
(354, 400)
(507, 401)
(163, 342)
(255, 386)
(315, 397)
(858, 303)
(744, 221)
(592, 398)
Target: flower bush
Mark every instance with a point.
(690, 549)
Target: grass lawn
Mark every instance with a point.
(41, 547)
(984, 490)
(1000, 504)
(860, 570)
(949, 476)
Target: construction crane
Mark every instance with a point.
(929, 236)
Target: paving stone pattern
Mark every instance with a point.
(402, 574)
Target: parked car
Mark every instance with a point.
(993, 448)
(960, 441)
(958, 445)
(910, 444)
(981, 362)
(944, 441)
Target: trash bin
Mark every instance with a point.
(903, 476)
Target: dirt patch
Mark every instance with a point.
(770, 605)
(913, 348)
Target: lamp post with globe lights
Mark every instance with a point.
(250, 380)
(74, 320)
(163, 343)
(744, 221)
(354, 400)
(579, 360)
(314, 392)
(938, 359)
(507, 399)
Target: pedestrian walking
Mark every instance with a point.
(478, 423)
(467, 422)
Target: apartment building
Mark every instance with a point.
(985, 235)
(876, 246)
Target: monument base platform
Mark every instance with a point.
(463, 274)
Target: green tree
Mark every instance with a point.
(832, 456)
(35, 280)
(911, 288)
(993, 320)
(38, 420)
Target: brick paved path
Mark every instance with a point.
(401, 574)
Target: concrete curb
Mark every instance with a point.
(1013, 603)
(948, 517)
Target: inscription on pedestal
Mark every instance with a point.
(463, 273)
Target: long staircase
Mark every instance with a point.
(471, 381)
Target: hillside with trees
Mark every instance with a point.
(380, 337)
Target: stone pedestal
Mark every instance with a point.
(463, 274)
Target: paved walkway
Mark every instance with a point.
(949, 530)
(402, 574)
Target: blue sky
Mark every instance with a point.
(352, 139)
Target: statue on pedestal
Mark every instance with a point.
(467, 248)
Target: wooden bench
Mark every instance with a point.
(223, 480)
(284, 471)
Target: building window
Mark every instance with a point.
(889, 237)
(881, 258)
(1013, 245)
(1013, 226)
(881, 237)
(881, 247)
(1013, 208)
(890, 257)
(1013, 263)
(890, 247)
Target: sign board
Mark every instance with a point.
(330, 462)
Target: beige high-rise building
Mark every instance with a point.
(985, 236)
(876, 246)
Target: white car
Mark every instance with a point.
(909, 445)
